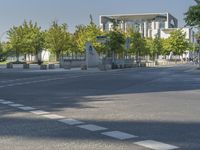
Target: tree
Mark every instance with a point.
(192, 15)
(157, 47)
(166, 47)
(15, 36)
(57, 39)
(2, 53)
(177, 42)
(80, 38)
(116, 43)
(33, 39)
(87, 33)
(26, 39)
(92, 31)
(138, 44)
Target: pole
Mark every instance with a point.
(198, 41)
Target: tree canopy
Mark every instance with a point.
(116, 41)
(26, 39)
(57, 39)
(138, 43)
(192, 15)
(177, 42)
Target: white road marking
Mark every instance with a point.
(156, 145)
(71, 121)
(1, 100)
(30, 82)
(92, 127)
(39, 112)
(27, 108)
(119, 135)
(53, 116)
(16, 105)
(6, 102)
(42, 80)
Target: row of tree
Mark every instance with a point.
(29, 39)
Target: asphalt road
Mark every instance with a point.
(137, 109)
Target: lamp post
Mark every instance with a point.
(198, 41)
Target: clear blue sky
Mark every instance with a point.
(74, 12)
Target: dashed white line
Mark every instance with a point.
(1, 100)
(92, 127)
(39, 112)
(16, 105)
(156, 145)
(119, 135)
(30, 82)
(71, 121)
(27, 108)
(53, 116)
(6, 102)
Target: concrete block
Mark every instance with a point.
(83, 67)
(43, 67)
(51, 66)
(26, 66)
(67, 66)
(9, 65)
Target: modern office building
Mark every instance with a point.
(148, 24)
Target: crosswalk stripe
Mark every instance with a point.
(119, 135)
(53, 116)
(155, 145)
(71, 121)
(92, 127)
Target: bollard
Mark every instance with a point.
(51, 66)
(9, 65)
(26, 66)
(43, 67)
(83, 67)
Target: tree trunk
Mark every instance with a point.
(57, 57)
(17, 56)
(36, 56)
(25, 57)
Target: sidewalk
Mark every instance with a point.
(36, 68)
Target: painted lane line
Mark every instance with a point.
(7, 102)
(27, 108)
(53, 116)
(39, 112)
(71, 121)
(92, 127)
(30, 82)
(156, 145)
(119, 135)
(2, 100)
(23, 79)
(16, 105)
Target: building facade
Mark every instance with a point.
(148, 24)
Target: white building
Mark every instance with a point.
(148, 24)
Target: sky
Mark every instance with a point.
(75, 12)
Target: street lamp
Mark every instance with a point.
(198, 41)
